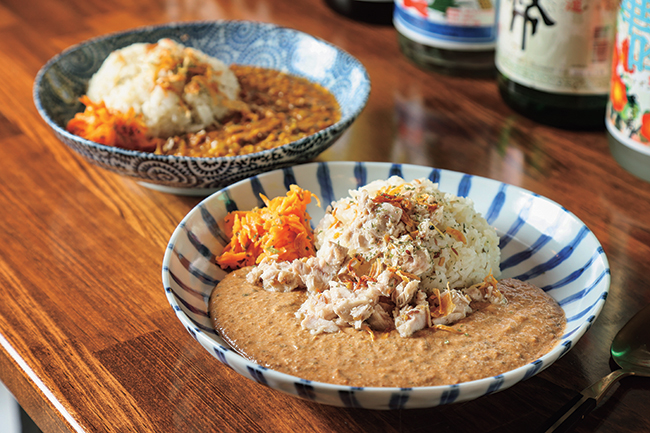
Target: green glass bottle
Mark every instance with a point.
(367, 11)
(553, 60)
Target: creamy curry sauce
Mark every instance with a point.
(261, 326)
(275, 108)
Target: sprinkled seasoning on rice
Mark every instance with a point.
(177, 89)
(437, 236)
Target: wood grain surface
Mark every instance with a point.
(88, 341)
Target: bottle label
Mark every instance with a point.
(558, 46)
(628, 110)
(448, 24)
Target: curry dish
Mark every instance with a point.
(261, 325)
(193, 105)
(399, 289)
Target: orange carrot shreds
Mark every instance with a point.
(280, 229)
(99, 124)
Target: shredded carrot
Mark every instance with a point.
(280, 229)
(112, 128)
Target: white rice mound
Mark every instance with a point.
(437, 255)
(173, 100)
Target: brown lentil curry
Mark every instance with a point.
(275, 109)
(261, 326)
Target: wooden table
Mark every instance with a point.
(88, 341)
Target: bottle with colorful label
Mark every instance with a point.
(553, 59)
(449, 36)
(628, 110)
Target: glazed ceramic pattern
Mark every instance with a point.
(541, 242)
(63, 80)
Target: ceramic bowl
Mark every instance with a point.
(64, 79)
(541, 242)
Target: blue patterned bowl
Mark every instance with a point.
(541, 242)
(64, 79)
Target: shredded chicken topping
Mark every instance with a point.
(395, 255)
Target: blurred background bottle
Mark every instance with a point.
(448, 36)
(628, 110)
(553, 59)
(368, 11)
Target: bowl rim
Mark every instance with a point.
(510, 377)
(341, 124)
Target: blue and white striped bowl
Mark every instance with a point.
(541, 242)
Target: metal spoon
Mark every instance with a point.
(631, 351)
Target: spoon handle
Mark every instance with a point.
(565, 419)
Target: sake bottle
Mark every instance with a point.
(553, 59)
(368, 11)
(448, 36)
